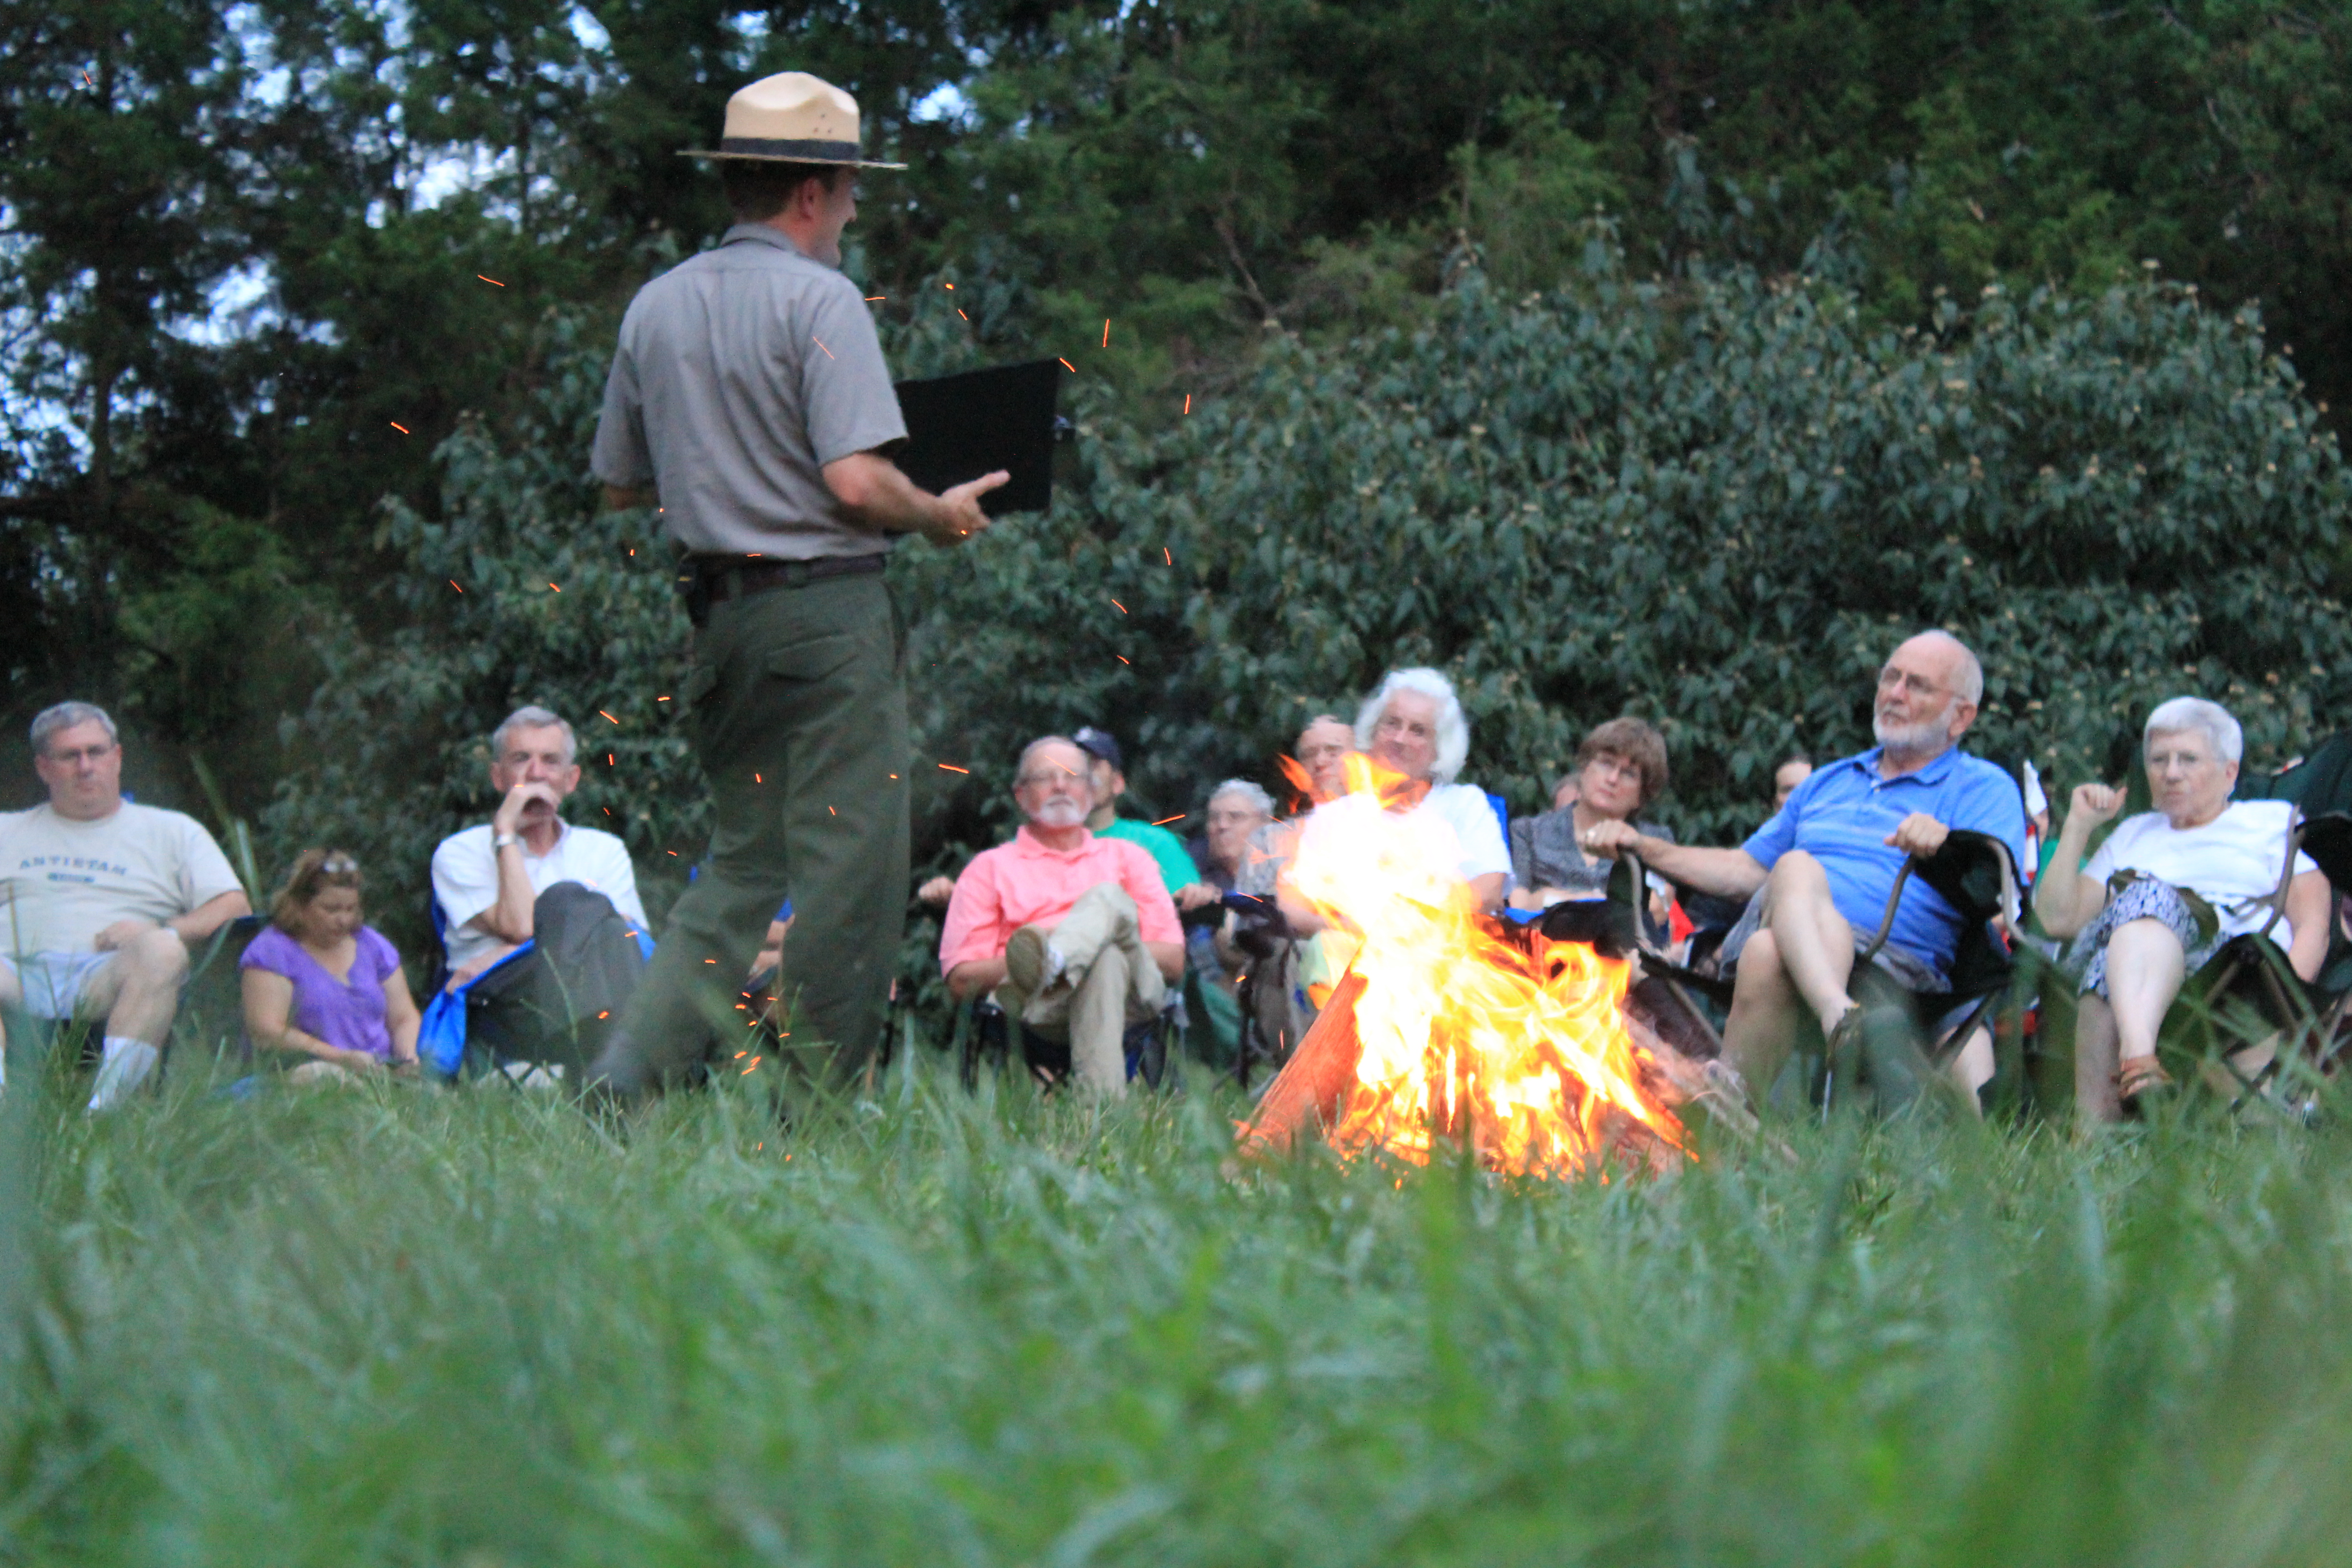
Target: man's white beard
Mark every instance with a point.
(1909, 740)
(1061, 812)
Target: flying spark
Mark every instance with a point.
(1165, 820)
(1165, 556)
(487, 278)
(1067, 365)
(871, 298)
(553, 585)
(453, 582)
(1122, 659)
(1122, 608)
(397, 426)
(961, 313)
(954, 769)
(1188, 402)
(600, 712)
(1105, 332)
(820, 343)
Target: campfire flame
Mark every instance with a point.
(1465, 1034)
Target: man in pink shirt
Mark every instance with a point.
(1076, 935)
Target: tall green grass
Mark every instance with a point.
(402, 1326)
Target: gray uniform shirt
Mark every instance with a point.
(739, 374)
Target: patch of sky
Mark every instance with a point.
(946, 104)
(589, 31)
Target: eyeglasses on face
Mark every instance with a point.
(1062, 778)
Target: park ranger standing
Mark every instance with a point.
(749, 399)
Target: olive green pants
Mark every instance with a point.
(798, 712)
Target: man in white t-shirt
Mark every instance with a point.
(103, 898)
(487, 880)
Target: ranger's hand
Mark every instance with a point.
(958, 516)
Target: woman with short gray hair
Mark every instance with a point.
(2165, 892)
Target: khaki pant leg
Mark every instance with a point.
(1104, 917)
(1097, 1022)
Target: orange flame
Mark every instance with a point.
(1519, 1050)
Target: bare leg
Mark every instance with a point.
(2094, 1059)
(139, 993)
(1814, 941)
(12, 994)
(1971, 1067)
(1765, 1012)
(2145, 968)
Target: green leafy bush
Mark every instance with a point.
(1717, 503)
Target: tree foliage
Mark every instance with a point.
(1718, 503)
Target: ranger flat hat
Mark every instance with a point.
(791, 118)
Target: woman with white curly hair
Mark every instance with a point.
(1413, 729)
(2165, 892)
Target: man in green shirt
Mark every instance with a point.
(1185, 883)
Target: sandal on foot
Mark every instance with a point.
(2141, 1077)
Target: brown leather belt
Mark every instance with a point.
(735, 576)
(708, 580)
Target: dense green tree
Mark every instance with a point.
(1718, 503)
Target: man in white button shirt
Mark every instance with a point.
(487, 880)
(104, 899)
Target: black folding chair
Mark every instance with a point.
(1907, 1034)
(985, 1033)
(2248, 992)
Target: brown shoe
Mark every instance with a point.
(2139, 1080)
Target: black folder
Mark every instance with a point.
(961, 426)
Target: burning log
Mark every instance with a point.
(1449, 1024)
(1312, 1086)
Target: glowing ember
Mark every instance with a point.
(1459, 1028)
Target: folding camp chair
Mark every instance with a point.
(2247, 993)
(1906, 1036)
(985, 1032)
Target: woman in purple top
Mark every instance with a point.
(321, 985)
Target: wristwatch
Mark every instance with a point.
(500, 841)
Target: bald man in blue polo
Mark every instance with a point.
(1829, 859)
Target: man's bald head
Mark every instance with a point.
(1928, 696)
(1323, 748)
(1052, 784)
(1966, 671)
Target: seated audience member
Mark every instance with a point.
(487, 880)
(1827, 859)
(1413, 727)
(1793, 770)
(1619, 769)
(1237, 809)
(1167, 850)
(1322, 752)
(1074, 933)
(2165, 892)
(105, 898)
(1293, 976)
(528, 876)
(322, 984)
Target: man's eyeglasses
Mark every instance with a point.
(1058, 776)
(338, 866)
